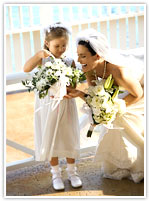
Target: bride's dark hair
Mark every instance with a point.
(87, 45)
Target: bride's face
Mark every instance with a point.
(87, 60)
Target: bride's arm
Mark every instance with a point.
(90, 77)
(73, 93)
(132, 85)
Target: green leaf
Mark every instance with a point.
(23, 82)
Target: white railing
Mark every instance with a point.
(120, 30)
(125, 31)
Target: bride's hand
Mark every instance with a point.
(73, 93)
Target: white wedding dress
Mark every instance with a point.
(56, 131)
(121, 151)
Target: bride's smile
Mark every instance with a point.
(86, 59)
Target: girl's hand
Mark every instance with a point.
(44, 53)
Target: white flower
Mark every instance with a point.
(99, 90)
(58, 61)
(96, 101)
(96, 111)
(57, 73)
(65, 79)
(39, 73)
(89, 100)
(68, 71)
(46, 80)
(49, 71)
(121, 105)
(48, 64)
(77, 73)
(106, 96)
(90, 91)
(108, 106)
(40, 84)
(98, 119)
(55, 66)
(63, 66)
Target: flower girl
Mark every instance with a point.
(56, 128)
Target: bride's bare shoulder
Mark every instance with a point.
(118, 72)
(115, 69)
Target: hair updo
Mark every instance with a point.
(55, 31)
(87, 45)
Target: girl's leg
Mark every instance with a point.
(56, 174)
(72, 174)
(70, 160)
(54, 161)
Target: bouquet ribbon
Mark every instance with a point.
(58, 90)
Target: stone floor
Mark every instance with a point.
(36, 181)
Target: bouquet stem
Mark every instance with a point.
(90, 131)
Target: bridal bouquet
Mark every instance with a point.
(52, 72)
(104, 103)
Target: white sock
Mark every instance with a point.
(71, 166)
(55, 168)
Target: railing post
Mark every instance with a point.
(21, 17)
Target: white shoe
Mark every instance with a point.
(74, 178)
(58, 184)
(57, 181)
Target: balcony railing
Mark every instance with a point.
(123, 30)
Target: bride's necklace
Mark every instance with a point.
(104, 71)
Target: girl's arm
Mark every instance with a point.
(132, 85)
(35, 60)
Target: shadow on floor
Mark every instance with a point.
(36, 181)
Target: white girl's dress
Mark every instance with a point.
(56, 131)
(121, 151)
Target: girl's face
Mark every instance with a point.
(87, 60)
(57, 46)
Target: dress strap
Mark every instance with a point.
(104, 71)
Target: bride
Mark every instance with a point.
(120, 151)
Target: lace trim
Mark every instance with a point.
(119, 169)
(119, 174)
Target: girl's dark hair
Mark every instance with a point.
(55, 33)
(87, 45)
